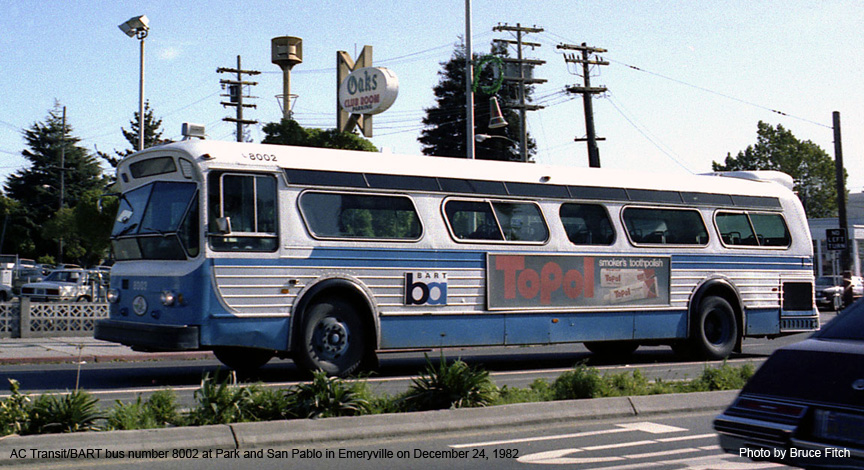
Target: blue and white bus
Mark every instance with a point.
(329, 256)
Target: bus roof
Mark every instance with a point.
(211, 154)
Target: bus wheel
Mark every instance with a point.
(243, 359)
(714, 329)
(332, 338)
(612, 349)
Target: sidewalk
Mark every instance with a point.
(72, 349)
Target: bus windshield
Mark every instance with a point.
(157, 221)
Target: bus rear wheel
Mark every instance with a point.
(714, 329)
(243, 359)
(332, 338)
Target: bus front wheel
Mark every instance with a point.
(243, 359)
(331, 338)
(714, 329)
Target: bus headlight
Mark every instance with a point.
(168, 298)
(113, 296)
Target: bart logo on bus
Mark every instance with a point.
(530, 281)
(425, 288)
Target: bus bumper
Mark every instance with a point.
(149, 337)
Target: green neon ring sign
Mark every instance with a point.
(478, 69)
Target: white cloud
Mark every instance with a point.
(168, 53)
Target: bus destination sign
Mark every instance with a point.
(565, 281)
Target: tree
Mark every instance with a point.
(152, 136)
(289, 132)
(444, 134)
(36, 189)
(811, 167)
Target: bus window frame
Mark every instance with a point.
(670, 245)
(315, 236)
(221, 205)
(490, 202)
(759, 245)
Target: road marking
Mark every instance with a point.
(561, 456)
(709, 462)
(651, 428)
(619, 445)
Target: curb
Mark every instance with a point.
(296, 433)
(101, 358)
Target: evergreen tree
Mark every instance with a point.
(152, 136)
(811, 167)
(289, 132)
(444, 134)
(36, 189)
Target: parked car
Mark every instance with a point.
(857, 290)
(67, 284)
(829, 292)
(805, 405)
(6, 293)
(26, 275)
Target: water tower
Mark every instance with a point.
(286, 52)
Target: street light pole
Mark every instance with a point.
(469, 78)
(141, 35)
(138, 27)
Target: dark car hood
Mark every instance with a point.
(814, 370)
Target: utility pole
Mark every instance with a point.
(586, 91)
(235, 95)
(520, 77)
(845, 258)
(63, 176)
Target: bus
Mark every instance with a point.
(328, 257)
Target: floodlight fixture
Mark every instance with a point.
(137, 25)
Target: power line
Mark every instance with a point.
(724, 95)
(645, 134)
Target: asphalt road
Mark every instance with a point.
(679, 441)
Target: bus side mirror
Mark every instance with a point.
(223, 225)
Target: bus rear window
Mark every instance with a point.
(749, 229)
(360, 216)
(152, 167)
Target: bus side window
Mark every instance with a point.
(665, 226)
(521, 221)
(587, 224)
(360, 216)
(472, 220)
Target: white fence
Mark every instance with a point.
(24, 319)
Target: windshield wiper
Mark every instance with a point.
(125, 230)
(164, 234)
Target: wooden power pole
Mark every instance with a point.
(520, 77)
(586, 91)
(235, 96)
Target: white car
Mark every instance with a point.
(67, 285)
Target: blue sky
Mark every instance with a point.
(709, 70)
